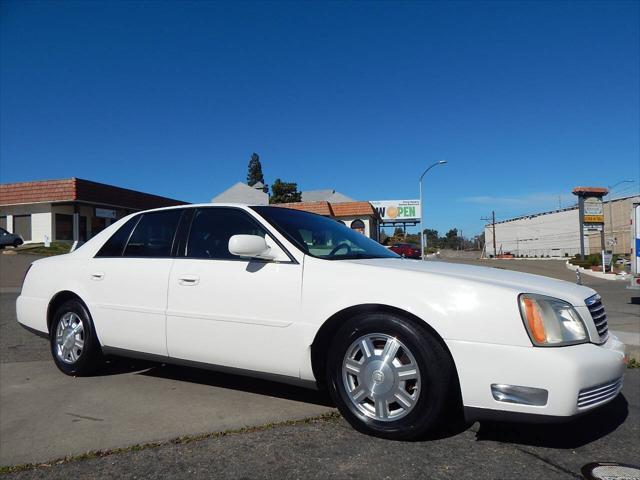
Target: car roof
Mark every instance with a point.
(196, 205)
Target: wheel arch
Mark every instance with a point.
(329, 328)
(57, 300)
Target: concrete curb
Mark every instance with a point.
(591, 273)
(631, 341)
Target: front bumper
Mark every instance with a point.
(578, 378)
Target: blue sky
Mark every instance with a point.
(524, 99)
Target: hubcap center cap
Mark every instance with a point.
(378, 377)
(69, 338)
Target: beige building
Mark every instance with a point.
(70, 209)
(557, 233)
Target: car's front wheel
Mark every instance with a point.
(389, 377)
(74, 345)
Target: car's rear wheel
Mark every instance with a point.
(389, 377)
(74, 345)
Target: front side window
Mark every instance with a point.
(153, 235)
(322, 237)
(212, 228)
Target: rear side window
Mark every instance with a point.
(115, 245)
(212, 228)
(153, 235)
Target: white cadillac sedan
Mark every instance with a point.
(298, 297)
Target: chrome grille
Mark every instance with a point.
(600, 393)
(594, 304)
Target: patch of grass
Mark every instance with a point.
(56, 248)
(93, 454)
(633, 363)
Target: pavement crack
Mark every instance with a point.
(84, 417)
(549, 462)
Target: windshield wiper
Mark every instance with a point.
(356, 256)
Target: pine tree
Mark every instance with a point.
(284, 192)
(254, 174)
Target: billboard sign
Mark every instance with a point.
(593, 212)
(398, 211)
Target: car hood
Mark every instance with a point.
(522, 282)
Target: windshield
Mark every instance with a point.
(322, 237)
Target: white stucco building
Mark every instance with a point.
(556, 233)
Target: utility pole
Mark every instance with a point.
(493, 225)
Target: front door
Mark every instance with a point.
(233, 311)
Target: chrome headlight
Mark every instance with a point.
(551, 322)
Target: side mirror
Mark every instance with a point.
(253, 246)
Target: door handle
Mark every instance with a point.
(189, 280)
(97, 276)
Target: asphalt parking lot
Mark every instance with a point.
(154, 421)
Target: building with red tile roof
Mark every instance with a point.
(69, 209)
(359, 216)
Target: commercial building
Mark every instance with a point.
(71, 209)
(359, 216)
(557, 233)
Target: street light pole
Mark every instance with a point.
(441, 162)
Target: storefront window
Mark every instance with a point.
(64, 226)
(97, 225)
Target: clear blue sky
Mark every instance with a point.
(524, 99)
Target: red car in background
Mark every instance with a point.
(406, 250)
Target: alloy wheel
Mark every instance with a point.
(381, 377)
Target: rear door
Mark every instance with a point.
(127, 283)
(233, 311)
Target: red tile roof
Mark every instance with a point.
(320, 207)
(77, 189)
(338, 210)
(352, 209)
(598, 191)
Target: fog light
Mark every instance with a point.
(518, 394)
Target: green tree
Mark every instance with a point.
(451, 240)
(431, 237)
(284, 192)
(254, 174)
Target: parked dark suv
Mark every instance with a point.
(9, 239)
(406, 250)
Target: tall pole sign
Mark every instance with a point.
(591, 214)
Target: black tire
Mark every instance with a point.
(438, 380)
(89, 357)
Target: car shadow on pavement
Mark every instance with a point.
(258, 386)
(573, 434)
